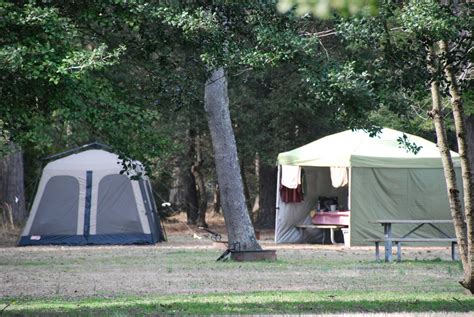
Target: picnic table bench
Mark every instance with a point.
(322, 226)
(388, 238)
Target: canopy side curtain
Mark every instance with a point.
(317, 182)
(397, 193)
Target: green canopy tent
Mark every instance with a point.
(385, 181)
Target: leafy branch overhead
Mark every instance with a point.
(408, 145)
(39, 43)
(229, 36)
(325, 8)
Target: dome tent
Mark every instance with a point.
(385, 182)
(83, 199)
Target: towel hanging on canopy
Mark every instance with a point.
(339, 177)
(290, 176)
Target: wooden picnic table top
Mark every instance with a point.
(394, 239)
(321, 226)
(415, 221)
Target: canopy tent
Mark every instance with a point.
(385, 182)
(83, 199)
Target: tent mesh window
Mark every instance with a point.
(57, 210)
(117, 209)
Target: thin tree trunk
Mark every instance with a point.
(453, 192)
(470, 139)
(216, 204)
(240, 231)
(268, 182)
(245, 184)
(200, 184)
(176, 191)
(192, 207)
(12, 192)
(183, 193)
(192, 200)
(256, 204)
(459, 123)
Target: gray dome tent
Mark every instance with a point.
(83, 199)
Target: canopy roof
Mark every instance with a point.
(358, 149)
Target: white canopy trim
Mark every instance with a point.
(358, 149)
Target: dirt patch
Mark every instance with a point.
(9, 237)
(186, 265)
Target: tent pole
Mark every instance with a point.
(349, 203)
(277, 203)
(349, 189)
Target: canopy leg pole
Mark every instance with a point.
(388, 241)
(332, 236)
(399, 251)
(377, 251)
(277, 202)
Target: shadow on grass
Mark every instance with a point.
(328, 304)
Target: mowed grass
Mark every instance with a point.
(302, 302)
(123, 281)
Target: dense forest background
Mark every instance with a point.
(132, 74)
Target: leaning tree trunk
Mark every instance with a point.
(239, 227)
(453, 193)
(267, 192)
(459, 123)
(12, 192)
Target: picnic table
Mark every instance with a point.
(332, 228)
(388, 238)
(332, 220)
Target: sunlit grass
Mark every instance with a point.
(248, 303)
(341, 282)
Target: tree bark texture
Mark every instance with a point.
(256, 203)
(12, 192)
(463, 148)
(453, 192)
(246, 186)
(267, 192)
(240, 231)
(183, 194)
(470, 139)
(216, 204)
(196, 169)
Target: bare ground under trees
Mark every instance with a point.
(186, 265)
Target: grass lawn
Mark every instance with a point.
(248, 303)
(182, 277)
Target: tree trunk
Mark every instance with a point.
(459, 123)
(200, 184)
(453, 192)
(183, 193)
(256, 203)
(267, 192)
(470, 139)
(12, 192)
(240, 231)
(216, 204)
(245, 184)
